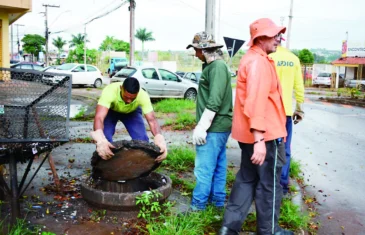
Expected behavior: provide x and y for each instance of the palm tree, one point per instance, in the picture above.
(107, 44)
(77, 40)
(144, 36)
(59, 43)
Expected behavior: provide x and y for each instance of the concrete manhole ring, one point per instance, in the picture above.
(121, 196)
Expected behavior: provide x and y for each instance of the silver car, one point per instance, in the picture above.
(159, 83)
(322, 79)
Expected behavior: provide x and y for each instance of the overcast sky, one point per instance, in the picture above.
(316, 23)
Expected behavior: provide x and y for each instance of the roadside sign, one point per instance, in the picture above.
(233, 45)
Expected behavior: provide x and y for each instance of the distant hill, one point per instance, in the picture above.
(322, 55)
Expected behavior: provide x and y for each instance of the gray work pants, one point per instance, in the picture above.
(259, 183)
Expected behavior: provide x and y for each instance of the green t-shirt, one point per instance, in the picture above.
(215, 94)
(111, 99)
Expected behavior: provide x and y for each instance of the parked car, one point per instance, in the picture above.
(81, 74)
(27, 66)
(322, 79)
(193, 76)
(181, 74)
(355, 83)
(49, 67)
(159, 83)
(25, 71)
(13, 62)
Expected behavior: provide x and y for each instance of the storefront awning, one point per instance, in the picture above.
(349, 61)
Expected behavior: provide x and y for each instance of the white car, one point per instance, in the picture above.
(81, 75)
(322, 79)
(159, 83)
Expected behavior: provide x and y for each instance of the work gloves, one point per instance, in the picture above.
(103, 146)
(298, 113)
(200, 131)
(160, 142)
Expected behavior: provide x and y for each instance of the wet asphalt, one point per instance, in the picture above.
(330, 144)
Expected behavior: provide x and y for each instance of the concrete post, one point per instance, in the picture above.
(337, 76)
(131, 32)
(210, 22)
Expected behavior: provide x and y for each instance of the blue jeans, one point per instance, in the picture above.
(284, 180)
(133, 122)
(210, 171)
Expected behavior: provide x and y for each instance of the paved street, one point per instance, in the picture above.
(330, 145)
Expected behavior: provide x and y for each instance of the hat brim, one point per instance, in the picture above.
(196, 45)
(269, 32)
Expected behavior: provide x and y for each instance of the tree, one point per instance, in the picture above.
(107, 44)
(33, 44)
(306, 57)
(59, 43)
(110, 43)
(145, 36)
(120, 45)
(77, 40)
(319, 59)
(77, 55)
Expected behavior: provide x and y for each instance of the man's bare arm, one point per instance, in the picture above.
(156, 131)
(152, 122)
(100, 115)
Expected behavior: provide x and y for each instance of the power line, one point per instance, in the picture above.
(98, 17)
(108, 12)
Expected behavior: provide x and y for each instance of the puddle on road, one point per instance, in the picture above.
(75, 109)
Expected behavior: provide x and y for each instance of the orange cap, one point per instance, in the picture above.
(264, 27)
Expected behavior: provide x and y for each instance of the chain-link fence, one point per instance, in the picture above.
(31, 110)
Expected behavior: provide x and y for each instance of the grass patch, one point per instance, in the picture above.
(179, 159)
(250, 222)
(185, 186)
(83, 116)
(174, 105)
(313, 93)
(182, 224)
(292, 189)
(234, 85)
(230, 178)
(88, 89)
(183, 121)
(295, 169)
(291, 217)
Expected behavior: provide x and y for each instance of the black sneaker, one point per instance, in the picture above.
(227, 231)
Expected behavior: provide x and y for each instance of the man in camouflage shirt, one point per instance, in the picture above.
(214, 118)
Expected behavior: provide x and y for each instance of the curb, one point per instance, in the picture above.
(83, 96)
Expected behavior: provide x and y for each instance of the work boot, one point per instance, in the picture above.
(284, 232)
(227, 231)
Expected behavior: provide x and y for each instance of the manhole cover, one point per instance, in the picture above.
(132, 159)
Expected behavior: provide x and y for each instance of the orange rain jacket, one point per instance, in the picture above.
(258, 103)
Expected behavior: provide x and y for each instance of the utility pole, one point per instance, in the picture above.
(132, 7)
(282, 18)
(218, 39)
(85, 45)
(210, 11)
(11, 46)
(17, 32)
(47, 33)
(289, 25)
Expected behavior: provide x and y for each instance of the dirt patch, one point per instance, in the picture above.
(346, 101)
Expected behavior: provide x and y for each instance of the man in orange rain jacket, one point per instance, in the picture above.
(259, 127)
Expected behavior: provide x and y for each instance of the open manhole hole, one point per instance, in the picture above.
(116, 183)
